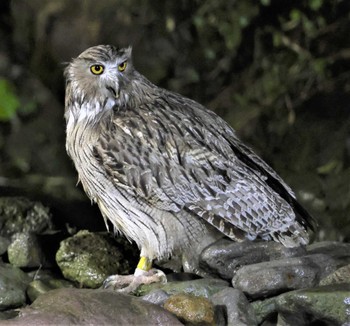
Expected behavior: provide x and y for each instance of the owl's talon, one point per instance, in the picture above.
(117, 281)
(130, 283)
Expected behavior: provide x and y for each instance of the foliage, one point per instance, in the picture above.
(9, 102)
(286, 57)
(277, 71)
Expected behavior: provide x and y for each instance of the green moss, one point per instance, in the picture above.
(89, 258)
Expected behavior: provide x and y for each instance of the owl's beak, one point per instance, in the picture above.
(115, 92)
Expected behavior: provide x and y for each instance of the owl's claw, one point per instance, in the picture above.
(129, 283)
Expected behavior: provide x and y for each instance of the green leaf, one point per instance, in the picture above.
(265, 2)
(295, 15)
(315, 4)
(331, 166)
(9, 102)
(28, 108)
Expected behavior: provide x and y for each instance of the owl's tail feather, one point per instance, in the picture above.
(304, 219)
(296, 235)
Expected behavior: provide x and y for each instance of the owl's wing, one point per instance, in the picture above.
(173, 154)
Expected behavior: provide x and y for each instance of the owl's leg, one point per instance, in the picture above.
(144, 274)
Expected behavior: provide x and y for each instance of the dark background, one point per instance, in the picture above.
(277, 71)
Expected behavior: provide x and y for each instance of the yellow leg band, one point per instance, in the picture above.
(144, 264)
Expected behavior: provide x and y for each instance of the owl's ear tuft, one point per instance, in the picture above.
(128, 52)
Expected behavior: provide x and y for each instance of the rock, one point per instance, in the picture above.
(288, 319)
(341, 275)
(225, 257)
(191, 309)
(8, 314)
(19, 215)
(92, 307)
(43, 281)
(324, 305)
(38, 287)
(271, 278)
(25, 251)
(157, 297)
(263, 309)
(89, 258)
(181, 276)
(4, 243)
(13, 284)
(237, 306)
(202, 287)
(327, 304)
(331, 248)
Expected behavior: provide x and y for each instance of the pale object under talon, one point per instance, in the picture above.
(129, 283)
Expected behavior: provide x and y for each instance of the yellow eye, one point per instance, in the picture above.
(122, 66)
(97, 69)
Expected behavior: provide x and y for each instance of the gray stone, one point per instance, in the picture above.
(271, 278)
(19, 214)
(263, 309)
(39, 287)
(237, 306)
(201, 287)
(4, 243)
(92, 307)
(25, 251)
(89, 258)
(157, 297)
(292, 319)
(341, 275)
(43, 280)
(8, 314)
(331, 248)
(328, 304)
(13, 284)
(225, 257)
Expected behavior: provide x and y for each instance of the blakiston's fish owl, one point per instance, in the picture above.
(167, 172)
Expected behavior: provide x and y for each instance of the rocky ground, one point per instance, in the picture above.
(49, 276)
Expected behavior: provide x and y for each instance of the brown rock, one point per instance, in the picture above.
(91, 307)
(191, 309)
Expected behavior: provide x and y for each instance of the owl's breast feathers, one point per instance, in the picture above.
(173, 154)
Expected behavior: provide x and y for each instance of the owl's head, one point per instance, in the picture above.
(103, 78)
(100, 71)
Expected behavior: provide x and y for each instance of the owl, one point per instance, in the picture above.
(167, 172)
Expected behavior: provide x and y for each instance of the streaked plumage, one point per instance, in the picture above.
(166, 171)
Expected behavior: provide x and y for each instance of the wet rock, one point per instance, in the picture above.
(89, 258)
(8, 314)
(25, 251)
(19, 215)
(92, 307)
(13, 284)
(291, 319)
(43, 280)
(181, 276)
(38, 287)
(326, 304)
(201, 287)
(225, 257)
(331, 248)
(263, 309)
(191, 309)
(271, 278)
(4, 243)
(237, 307)
(157, 297)
(341, 275)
